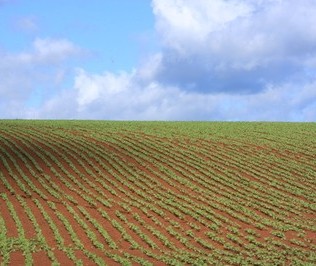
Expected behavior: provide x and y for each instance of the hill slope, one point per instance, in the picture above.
(157, 193)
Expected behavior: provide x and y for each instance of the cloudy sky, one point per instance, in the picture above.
(158, 60)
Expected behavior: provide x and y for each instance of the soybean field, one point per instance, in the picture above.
(157, 193)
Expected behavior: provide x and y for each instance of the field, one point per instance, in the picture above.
(157, 193)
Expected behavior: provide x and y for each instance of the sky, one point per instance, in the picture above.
(219, 60)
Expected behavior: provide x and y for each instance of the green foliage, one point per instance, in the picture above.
(194, 193)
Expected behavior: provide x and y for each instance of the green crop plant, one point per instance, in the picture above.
(178, 193)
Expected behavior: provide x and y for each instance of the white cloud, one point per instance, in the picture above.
(234, 60)
(149, 68)
(249, 28)
(93, 87)
(45, 51)
(50, 50)
(154, 101)
(184, 25)
(234, 46)
(220, 60)
(40, 66)
(115, 96)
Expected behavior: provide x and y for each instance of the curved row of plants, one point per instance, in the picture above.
(132, 193)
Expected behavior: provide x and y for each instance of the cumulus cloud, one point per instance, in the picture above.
(117, 96)
(186, 25)
(45, 51)
(220, 60)
(21, 74)
(122, 96)
(234, 46)
(93, 87)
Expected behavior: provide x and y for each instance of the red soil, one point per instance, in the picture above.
(41, 258)
(17, 258)
(10, 225)
(129, 192)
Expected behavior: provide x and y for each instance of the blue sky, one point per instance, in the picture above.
(158, 60)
